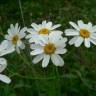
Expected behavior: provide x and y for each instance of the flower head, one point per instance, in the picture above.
(82, 33)
(15, 36)
(49, 47)
(41, 29)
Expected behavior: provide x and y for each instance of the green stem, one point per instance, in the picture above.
(58, 82)
(33, 70)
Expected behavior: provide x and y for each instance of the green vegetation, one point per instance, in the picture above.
(76, 78)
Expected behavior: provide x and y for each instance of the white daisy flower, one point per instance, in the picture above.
(41, 29)
(3, 63)
(82, 33)
(49, 47)
(15, 36)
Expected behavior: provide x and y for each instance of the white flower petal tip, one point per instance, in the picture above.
(37, 59)
(37, 51)
(79, 41)
(44, 65)
(87, 43)
(57, 60)
(74, 25)
(45, 61)
(5, 79)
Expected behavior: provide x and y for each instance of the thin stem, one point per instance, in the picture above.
(58, 81)
(20, 5)
(23, 57)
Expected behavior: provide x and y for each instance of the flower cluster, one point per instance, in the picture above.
(46, 42)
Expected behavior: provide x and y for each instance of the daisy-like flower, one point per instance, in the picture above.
(3, 63)
(15, 36)
(49, 47)
(82, 33)
(41, 29)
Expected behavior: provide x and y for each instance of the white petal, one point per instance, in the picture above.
(36, 52)
(71, 32)
(74, 25)
(38, 58)
(93, 36)
(45, 61)
(72, 41)
(22, 32)
(57, 32)
(94, 29)
(3, 45)
(9, 32)
(35, 39)
(5, 79)
(55, 26)
(54, 37)
(43, 39)
(16, 26)
(35, 26)
(10, 44)
(7, 51)
(19, 43)
(12, 28)
(35, 46)
(44, 23)
(22, 46)
(3, 64)
(31, 31)
(87, 42)
(79, 41)
(80, 23)
(49, 25)
(7, 37)
(17, 49)
(93, 41)
(57, 60)
(61, 43)
(89, 25)
(61, 51)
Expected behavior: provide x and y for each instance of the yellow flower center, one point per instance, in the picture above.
(84, 33)
(49, 48)
(15, 39)
(44, 31)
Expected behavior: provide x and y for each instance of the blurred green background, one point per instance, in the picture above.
(76, 78)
